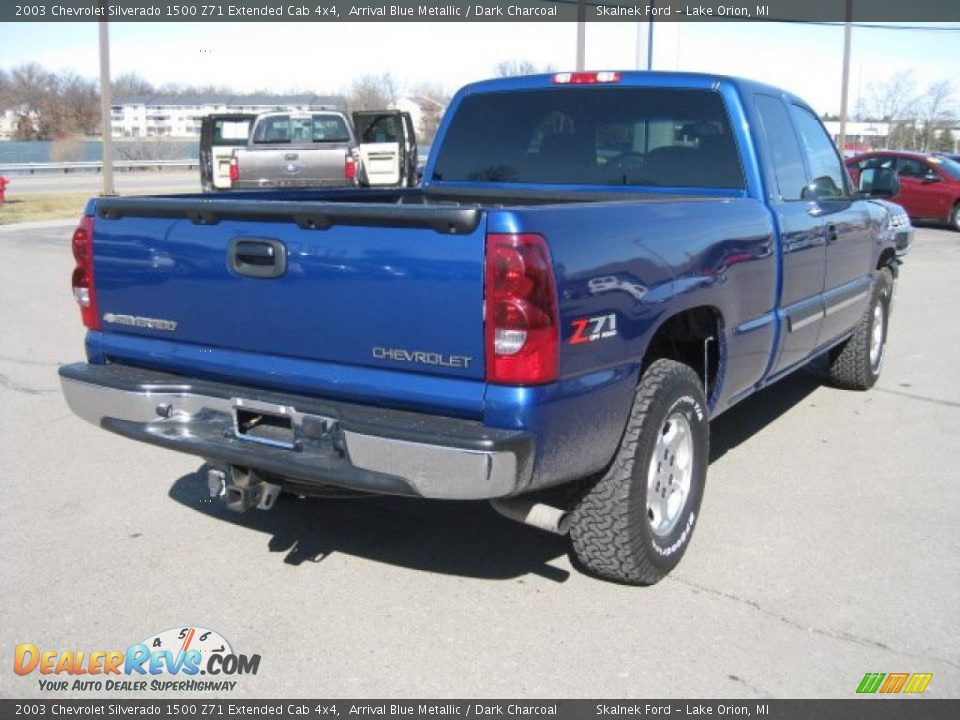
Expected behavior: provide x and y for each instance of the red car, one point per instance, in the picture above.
(929, 184)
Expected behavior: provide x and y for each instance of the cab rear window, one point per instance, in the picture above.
(301, 129)
(593, 136)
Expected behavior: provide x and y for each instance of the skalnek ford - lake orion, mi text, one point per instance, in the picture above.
(694, 11)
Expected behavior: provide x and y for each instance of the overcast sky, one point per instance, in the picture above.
(325, 57)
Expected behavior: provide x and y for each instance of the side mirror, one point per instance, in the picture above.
(931, 176)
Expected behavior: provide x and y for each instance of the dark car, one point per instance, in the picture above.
(928, 186)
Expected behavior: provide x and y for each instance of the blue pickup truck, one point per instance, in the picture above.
(595, 265)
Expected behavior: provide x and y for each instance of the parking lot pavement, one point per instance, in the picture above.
(827, 545)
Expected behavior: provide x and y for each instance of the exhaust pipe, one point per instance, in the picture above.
(241, 488)
(529, 512)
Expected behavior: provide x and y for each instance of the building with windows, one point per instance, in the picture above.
(866, 136)
(861, 136)
(179, 116)
(8, 124)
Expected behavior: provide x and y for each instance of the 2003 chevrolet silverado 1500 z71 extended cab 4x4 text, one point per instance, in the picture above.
(595, 266)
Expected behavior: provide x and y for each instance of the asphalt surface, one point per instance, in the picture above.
(126, 183)
(827, 545)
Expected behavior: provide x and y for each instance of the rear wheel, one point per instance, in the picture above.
(635, 522)
(856, 364)
(955, 217)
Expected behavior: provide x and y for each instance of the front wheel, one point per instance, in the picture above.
(955, 217)
(635, 523)
(855, 365)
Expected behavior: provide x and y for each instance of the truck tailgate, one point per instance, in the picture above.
(380, 286)
(285, 166)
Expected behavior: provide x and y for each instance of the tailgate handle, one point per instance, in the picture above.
(257, 257)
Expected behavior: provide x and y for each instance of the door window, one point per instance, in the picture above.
(825, 166)
(383, 129)
(911, 168)
(784, 148)
(231, 132)
(878, 175)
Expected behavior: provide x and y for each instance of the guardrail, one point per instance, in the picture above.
(94, 166)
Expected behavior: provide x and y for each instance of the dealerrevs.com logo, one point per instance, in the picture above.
(172, 660)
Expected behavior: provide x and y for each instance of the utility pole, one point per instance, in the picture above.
(640, 53)
(581, 35)
(645, 48)
(653, 5)
(845, 85)
(105, 101)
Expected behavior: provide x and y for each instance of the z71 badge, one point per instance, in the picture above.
(593, 328)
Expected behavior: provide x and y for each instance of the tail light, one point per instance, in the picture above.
(84, 288)
(349, 167)
(586, 78)
(520, 307)
(234, 169)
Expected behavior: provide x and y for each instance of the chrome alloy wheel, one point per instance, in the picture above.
(669, 475)
(876, 336)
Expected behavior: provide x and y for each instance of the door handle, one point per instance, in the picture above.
(257, 257)
(832, 234)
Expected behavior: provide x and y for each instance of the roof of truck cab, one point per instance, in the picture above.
(316, 111)
(636, 78)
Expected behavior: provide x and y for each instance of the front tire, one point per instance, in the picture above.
(856, 364)
(635, 523)
(955, 217)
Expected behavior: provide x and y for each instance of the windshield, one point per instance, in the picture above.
(593, 136)
(301, 129)
(951, 167)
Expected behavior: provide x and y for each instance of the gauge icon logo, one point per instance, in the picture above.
(182, 640)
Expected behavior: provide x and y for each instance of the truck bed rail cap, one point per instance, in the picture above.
(308, 215)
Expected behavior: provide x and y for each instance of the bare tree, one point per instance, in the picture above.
(77, 104)
(4, 91)
(66, 149)
(934, 114)
(31, 88)
(372, 92)
(918, 119)
(131, 84)
(945, 141)
(173, 89)
(51, 105)
(890, 101)
(432, 99)
(512, 68)
(151, 149)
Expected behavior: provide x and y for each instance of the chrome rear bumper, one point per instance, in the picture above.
(369, 449)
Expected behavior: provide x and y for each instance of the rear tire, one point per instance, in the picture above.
(955, 217)
(634, 524)
(856, 364)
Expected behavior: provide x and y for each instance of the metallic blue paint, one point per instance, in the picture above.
(351, 288)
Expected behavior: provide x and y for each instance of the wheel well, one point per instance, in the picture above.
(885, 257)
(682, 338)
